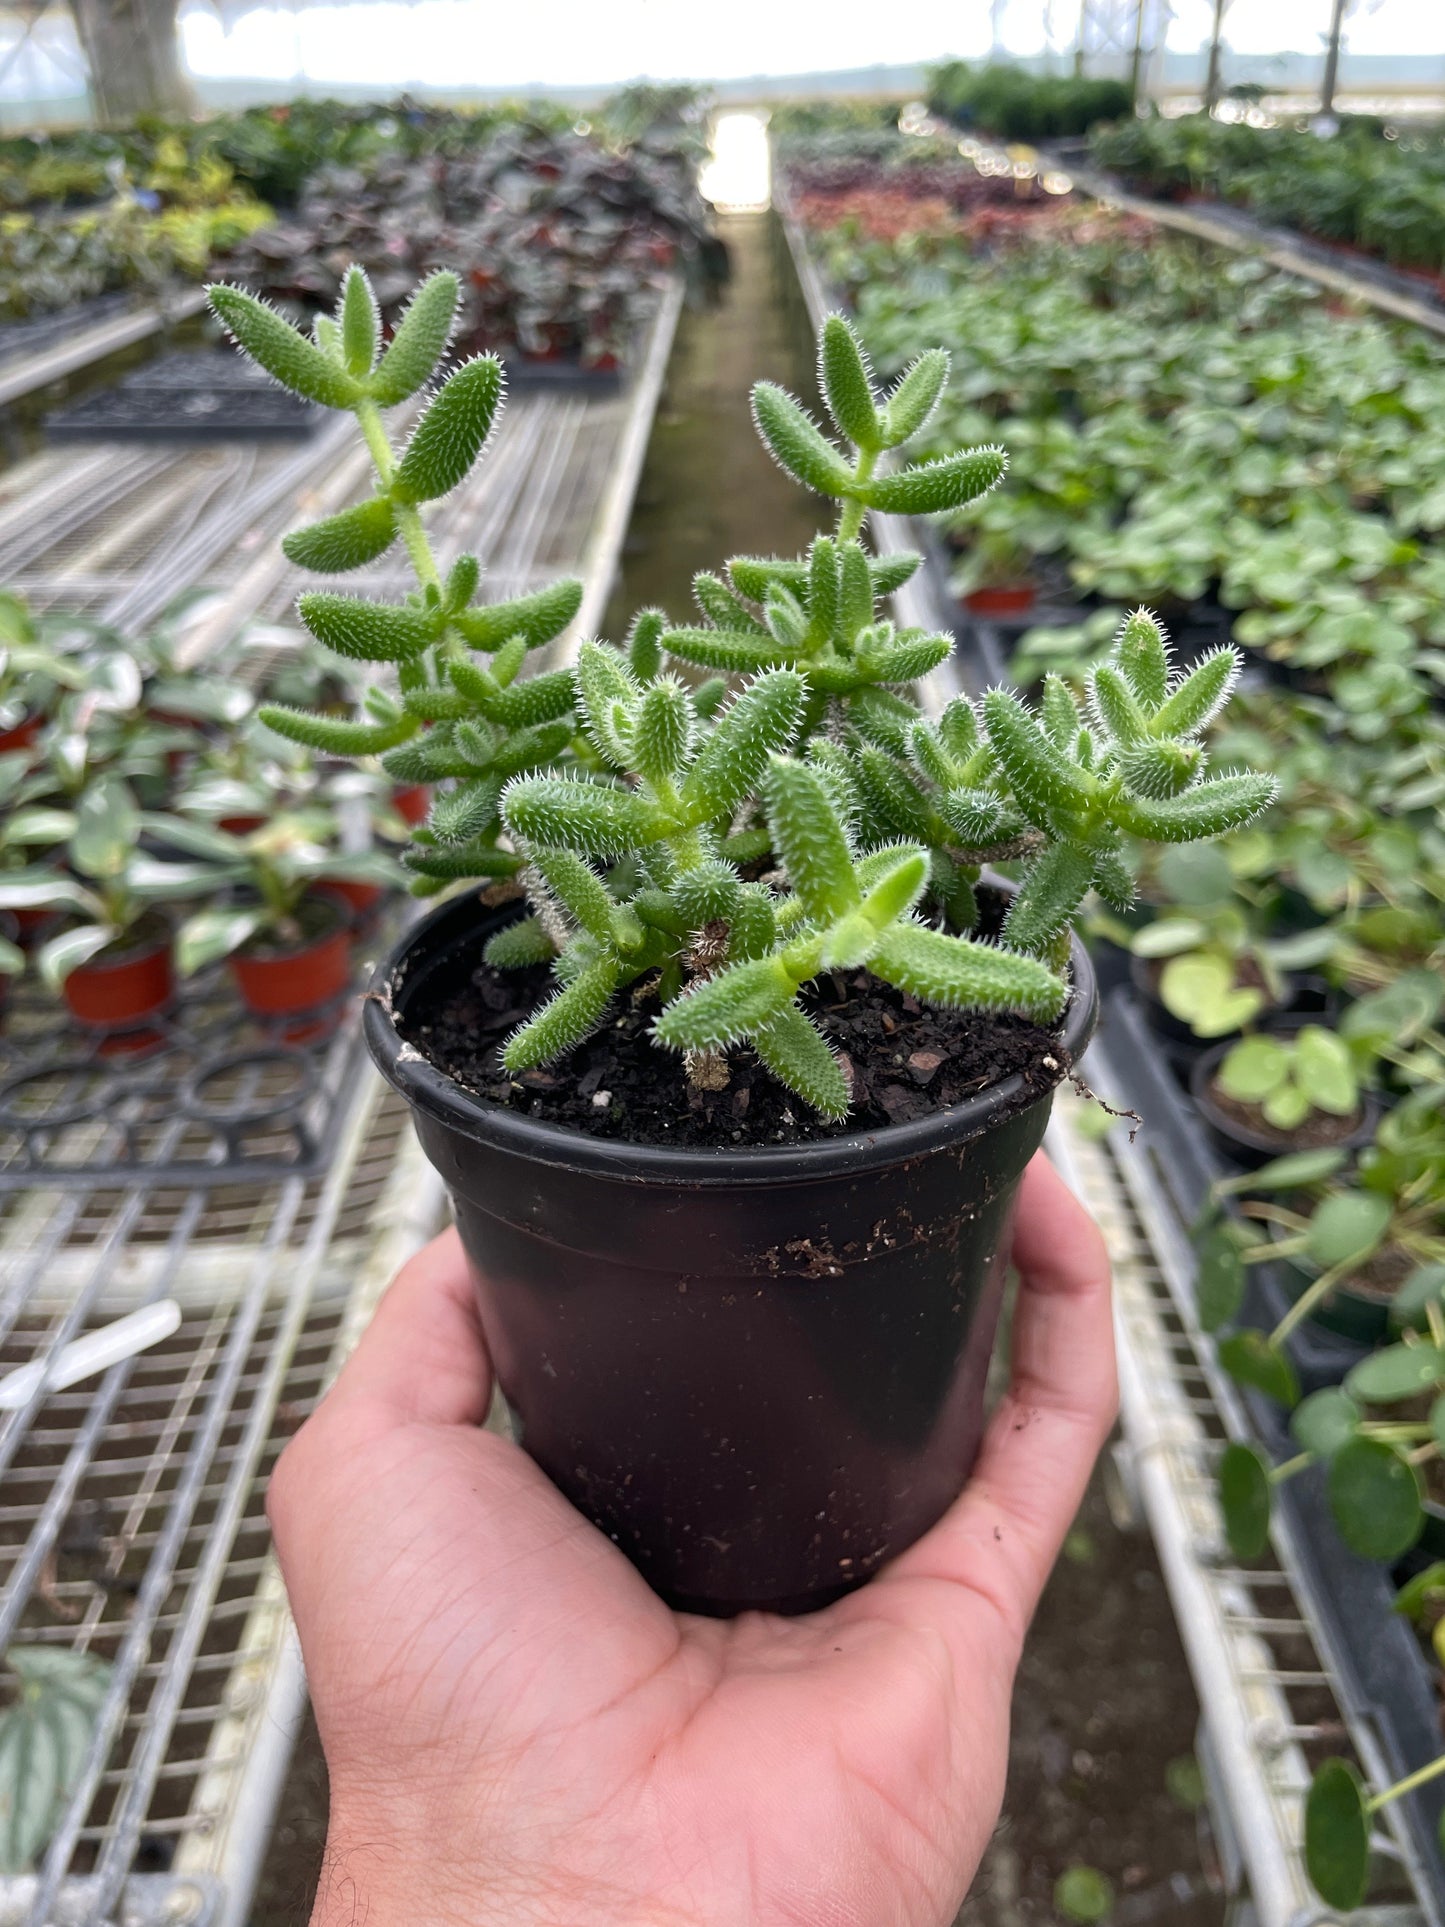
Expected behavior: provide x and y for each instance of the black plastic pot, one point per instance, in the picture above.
(1182, 1047)
(761, 1372)
(1248, 1146)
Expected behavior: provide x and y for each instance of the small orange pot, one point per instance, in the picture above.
(22, 736)
(293, 983)
(1000, 601)
(116, 992)
(413, 802)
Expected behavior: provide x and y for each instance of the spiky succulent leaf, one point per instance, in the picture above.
(764, 717)
(933, 486)
(459, 815)
(608, 697)
(1116, 707)
(461, 583)
(1045, 783)
(540, 699)
(566, 812)
(360, 322)
(450, 435)
(977, 815)
(847, 389)
(644, 643)
(963, 975)
(722, 1010)
(345, 541)
(539, 617)
(1059, 713)
(797, 442)
(798, 1056)
(823, 585)
(298, 364)
(722, 607)
(958, 729)
(1161, 769)
(730, 650)
(1218, 804)
(897, 878)
(334, 738)
(711, 893)
(785, 622)
(930, 758)
(890, 572)
(1142, 652)
(365, 631)
(893, 795)
(662, 730)
(908, 659)
(450, 866)
(754, 575)
(1194, 702)
(753, 929)
(855, 590)
(420, 340)
(562, 1023)
(518, 945)
(914, 396)
(810, 841)
(579, 889)
(1052, 890)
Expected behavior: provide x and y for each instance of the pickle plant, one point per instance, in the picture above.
(793, 814)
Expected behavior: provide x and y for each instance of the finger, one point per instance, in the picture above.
(423, 1355)
(1001, 1538)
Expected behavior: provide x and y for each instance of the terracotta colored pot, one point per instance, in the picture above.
(22, 736)
(360, 898)
(116, 991)
(290, 983)
(413, 802)
(239, 825)
(1000, 602)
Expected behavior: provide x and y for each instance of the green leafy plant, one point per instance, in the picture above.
(45, 1734)
(629, 800)
(1289, 1077)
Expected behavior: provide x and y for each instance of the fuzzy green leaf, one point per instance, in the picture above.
(345, 541)
(298, 364)
(453, 865)
(914, 396)
(855, 590)
(568, 813)
(797, 442)
(890, 572)
(364, 631)
(1163, 769)
(335, 738)
(644, 643)
(893, 795)
(711, 893)
(461, 583)
(1044, 782)
(461, 814)
(823, 585)
(450, 435)
(797, 1055)
(722, 1010)
(1059, 713)
(1218, 804)
(935, 486)
(539, 617)
(754, 575)
(1116, 706)
(663, 731)
(762, 718)
(721, 607)
(419, 342)
(730, 650)
(1142, 653)
(579, 889)
(847, 389)
(964, 975)
(360, 322)
(1052, 891)
(518, 945)
(907, 660)
(1198, 699)
(607, 698)
(897, 878)
(540, 699)
(809, 840)
(561, 1024)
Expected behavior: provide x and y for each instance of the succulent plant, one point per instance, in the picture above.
(637, 806)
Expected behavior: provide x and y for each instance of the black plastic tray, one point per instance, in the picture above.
(1386, 1677)
(547, 377)
(126, 414)
(45, 330)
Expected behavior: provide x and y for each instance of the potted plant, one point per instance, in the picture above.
(111, 959)
(742, 1329)
(288, 940)
(1280, 1090)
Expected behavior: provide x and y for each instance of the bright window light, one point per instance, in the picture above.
(738, 175)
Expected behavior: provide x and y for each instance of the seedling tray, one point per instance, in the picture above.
(43, 331)
(1353, 1597)
(547, 377)
(206, 395)
(205, 1094)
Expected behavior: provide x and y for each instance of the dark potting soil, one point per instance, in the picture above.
(906, 1060)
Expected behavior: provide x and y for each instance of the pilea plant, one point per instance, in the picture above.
(637, 808)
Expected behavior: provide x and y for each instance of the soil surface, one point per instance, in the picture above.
(904, 1060)
(1319, 1130)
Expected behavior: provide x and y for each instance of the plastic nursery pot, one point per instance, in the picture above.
(759, 1371)
(360, 899)
(126, 982)
(21, 736)
(1001, 601)
(278, 981)
(412, 802)
(1353, 1309)
(1237, 1135)
(1183, 1046)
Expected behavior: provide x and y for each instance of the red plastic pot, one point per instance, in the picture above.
(22, 736)
(1000, 602)
(413, 802)
(239, 825)
(124, 984)
(276, 982)
(360, 898)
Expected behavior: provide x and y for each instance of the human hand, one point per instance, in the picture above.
(518, 1730)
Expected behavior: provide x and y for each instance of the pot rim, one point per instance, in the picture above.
(1201, 1083)
(439, 1096)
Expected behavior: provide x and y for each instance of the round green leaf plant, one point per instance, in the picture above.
(639, 808)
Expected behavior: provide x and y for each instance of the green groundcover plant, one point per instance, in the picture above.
(796, 812)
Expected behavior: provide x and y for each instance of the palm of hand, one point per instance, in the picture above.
(515, 1719)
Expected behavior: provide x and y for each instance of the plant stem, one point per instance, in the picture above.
(408, 521)
(1407, 1785)
(850, 521)
(1315, 1295)
(1279, 1473)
